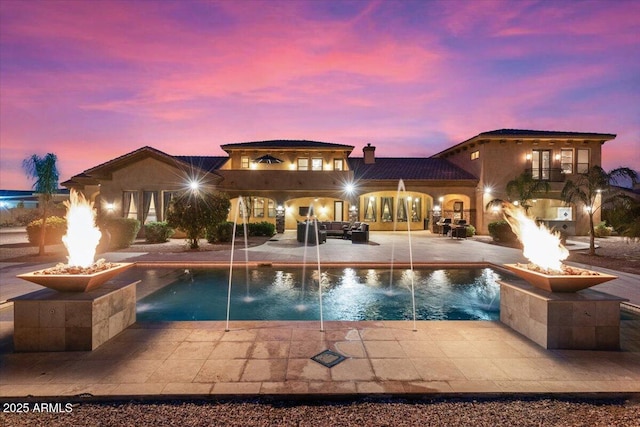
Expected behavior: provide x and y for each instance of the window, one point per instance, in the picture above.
(475, 155)
(370, 210)
(387, 209)
(130, 204)
(149, 200)
(416, 211)
(540, 164)
(316, 164)
(258, 207)
(402, 209)
(303, 164)
(337, 164)
(583, 160)
(566, 161)
(244, 162)
(272, 209)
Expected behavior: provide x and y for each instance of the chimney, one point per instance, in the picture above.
(369, 154)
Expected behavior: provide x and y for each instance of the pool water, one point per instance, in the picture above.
(348, 294)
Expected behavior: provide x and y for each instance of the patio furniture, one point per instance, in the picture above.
(311, 236)
(334, 228)
(361, 234)
(445, 226)
(460, 230)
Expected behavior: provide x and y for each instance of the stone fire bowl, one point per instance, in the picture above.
(75, 282)
(559, 283)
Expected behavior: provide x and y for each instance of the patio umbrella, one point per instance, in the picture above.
(267, 158)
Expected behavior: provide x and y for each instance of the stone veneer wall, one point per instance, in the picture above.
(47, 320)
(585, 320)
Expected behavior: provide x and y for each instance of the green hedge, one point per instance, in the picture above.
(122, 231)
(56, 227)
(220, 233)
(263, 228)
(501, 232)
(157, 232)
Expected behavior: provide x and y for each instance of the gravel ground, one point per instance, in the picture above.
(361, 412)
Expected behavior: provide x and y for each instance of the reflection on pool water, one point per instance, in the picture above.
(348, 294)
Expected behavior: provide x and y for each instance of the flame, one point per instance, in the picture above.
(541, 246)
(82, 236)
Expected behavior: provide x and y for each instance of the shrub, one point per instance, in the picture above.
(157, 232)
(56, 227)
(501, 232)
(220, 233)
(263, 228)
(471, 230)
(123, 231)
(195, 212)
(601, 230)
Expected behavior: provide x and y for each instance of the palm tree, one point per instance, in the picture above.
(45, 172)
(524, 189)
(586, 188)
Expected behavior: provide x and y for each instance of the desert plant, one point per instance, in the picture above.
(601, 230)
(122, 231)
(157, 232)
(55, 227)
(524, 189)
(46, 174)
(593, 189)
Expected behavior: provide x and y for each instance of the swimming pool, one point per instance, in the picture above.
(264, 293)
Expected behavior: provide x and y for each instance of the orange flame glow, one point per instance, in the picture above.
(82, 236)
(541, 246)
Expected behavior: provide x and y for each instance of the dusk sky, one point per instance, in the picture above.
(93, 80)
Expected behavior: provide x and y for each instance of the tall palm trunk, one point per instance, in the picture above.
(44, 227)
(592, 235)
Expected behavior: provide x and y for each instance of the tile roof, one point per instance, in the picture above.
(286, 143)
(408, 168)
(207, 163)
(543, 133)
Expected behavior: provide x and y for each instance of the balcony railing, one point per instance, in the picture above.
(547, 174)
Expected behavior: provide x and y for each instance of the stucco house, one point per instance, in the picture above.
(284, 181)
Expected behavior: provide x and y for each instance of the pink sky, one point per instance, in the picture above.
(90, 81)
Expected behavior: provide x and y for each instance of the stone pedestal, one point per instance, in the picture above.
(585, 320)
(48, 320)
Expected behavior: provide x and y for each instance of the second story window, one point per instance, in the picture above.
(244, 162)
(316, 164)
(540, 164)
(303, 164)
(566, 161)
(475, 155)
(337, 164)
(582, 165)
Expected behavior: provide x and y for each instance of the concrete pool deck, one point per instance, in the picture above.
(272, 358)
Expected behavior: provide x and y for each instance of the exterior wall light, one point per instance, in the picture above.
(194, 185)
(487, 190)
(349, 188)
(528, 156)
(110, 207)
(292, 166)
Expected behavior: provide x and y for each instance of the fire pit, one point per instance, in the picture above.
(80, 274)
(570, 279)
(63, 278)
(545, 253)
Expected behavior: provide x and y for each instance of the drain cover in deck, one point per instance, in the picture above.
(328, 358)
